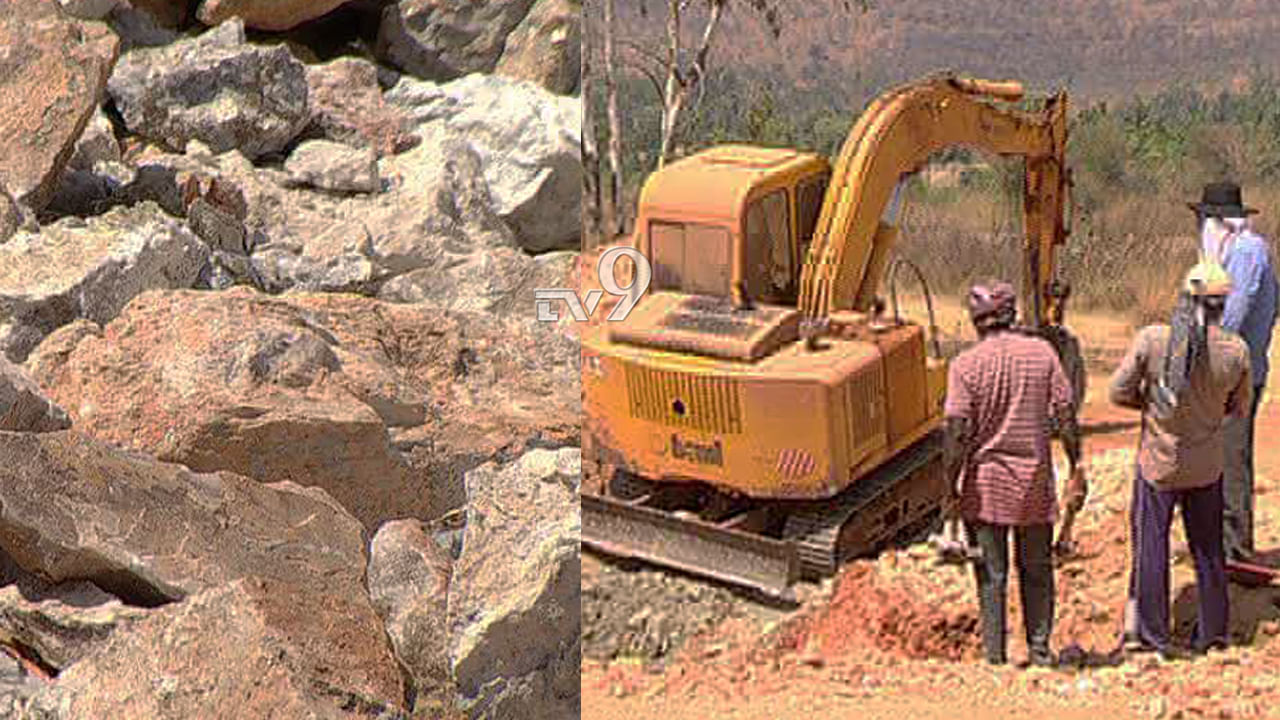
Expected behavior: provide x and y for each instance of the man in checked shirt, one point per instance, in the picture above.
(1006, 396)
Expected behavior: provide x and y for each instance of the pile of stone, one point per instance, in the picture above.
(278, 429)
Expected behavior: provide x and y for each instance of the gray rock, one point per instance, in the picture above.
(215, 88)
(52, 73)
(10, 215)
(91, 191)
(546, 48)
(89, 269)
(514, 612)
(409, 583)
(328, 165)
(138, 28)
(445, 39)
(90, 9)
(17, 686)
(501, 281)
(96, 144)
(23, 407)
(528, 143)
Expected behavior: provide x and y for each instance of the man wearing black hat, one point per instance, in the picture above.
(1251, 313)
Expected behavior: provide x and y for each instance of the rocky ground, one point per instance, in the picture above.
(897, 636)
(278, 430)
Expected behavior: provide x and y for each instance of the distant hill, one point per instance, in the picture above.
(1096, 48)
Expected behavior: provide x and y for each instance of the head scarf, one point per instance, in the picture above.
(1218, 234)
(992, 305)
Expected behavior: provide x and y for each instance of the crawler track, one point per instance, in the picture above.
(767, 547)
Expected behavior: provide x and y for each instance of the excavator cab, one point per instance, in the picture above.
(733, 221)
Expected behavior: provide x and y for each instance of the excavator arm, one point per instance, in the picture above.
(897, 135)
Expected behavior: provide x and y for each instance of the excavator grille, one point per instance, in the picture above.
(864, 394)
(706, 404)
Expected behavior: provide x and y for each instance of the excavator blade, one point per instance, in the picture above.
(622, 529)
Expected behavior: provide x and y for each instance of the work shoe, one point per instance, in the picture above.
(1205, 649)
(1131, 644)
(1042, 659)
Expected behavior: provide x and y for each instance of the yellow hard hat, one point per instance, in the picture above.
(1208, 279)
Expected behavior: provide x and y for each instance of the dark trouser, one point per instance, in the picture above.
(1237, 537)
(1152, 514)
(1035, 579)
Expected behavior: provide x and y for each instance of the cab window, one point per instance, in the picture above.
(770, 270)
(690, 257)
(809, 195)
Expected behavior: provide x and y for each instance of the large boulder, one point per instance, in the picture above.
(546, 48)
(253, 648)
(215, 88)
(52, 73)
(73, 508)
(528, 142)
(409, 584)
(500, 281)
(514, 612)
(89, 269)
(347, 106)
(23, 407)
(265, 14)
(445, 39)
(303, 387)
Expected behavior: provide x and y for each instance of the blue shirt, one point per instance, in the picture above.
(1251, 306)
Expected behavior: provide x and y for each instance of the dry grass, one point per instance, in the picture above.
(1129, 257)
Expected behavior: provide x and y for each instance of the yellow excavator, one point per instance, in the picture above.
(761, 414)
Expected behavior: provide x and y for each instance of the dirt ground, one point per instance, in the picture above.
(897, 636)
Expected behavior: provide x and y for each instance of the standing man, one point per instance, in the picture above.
(1250, 313)
(1003, 397)
(1187, 378)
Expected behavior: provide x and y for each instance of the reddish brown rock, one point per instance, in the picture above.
(53, 72)
(303, 388)
(252, 649)
(347, 105)
(74, 508)
(265, 14)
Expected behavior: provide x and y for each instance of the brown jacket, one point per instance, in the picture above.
(1183, 449)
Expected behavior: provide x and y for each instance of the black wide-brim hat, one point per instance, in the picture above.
(1221, 199)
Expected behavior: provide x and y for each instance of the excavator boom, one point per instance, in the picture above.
(895, 136)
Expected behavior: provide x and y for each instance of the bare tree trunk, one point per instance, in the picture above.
(679, 86)
(617, 213)
(592, 220)
(671, 93)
